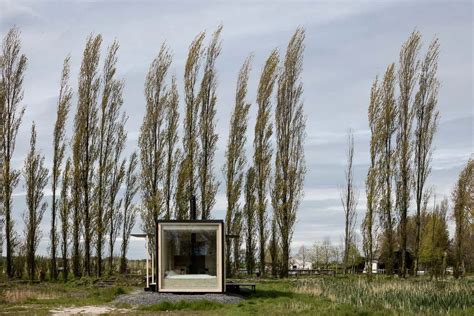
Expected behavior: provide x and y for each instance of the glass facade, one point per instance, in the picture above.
(190, 257)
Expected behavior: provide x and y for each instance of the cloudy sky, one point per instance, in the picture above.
(347, 44)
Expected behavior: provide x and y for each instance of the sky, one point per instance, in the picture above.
(347, 44)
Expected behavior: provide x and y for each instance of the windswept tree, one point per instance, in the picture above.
(235, 163)
(114, 215)
(76, 203)
(36, 179)
(207, 127)
(111, 138)
(12, 67)
(65, 216)
(250, 217)
(407, 75)
(186, 188)
(290, 124)
(129, 209)
(371, 185)
(463, 201)
(85, 142)
(111, 167)
(172, 152)
(152, 138)
(263, 149)
(386, 127)
(426, 122)
(59, 146)
(182, 190)
(349, 202)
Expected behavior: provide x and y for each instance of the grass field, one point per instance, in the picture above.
(319, 295)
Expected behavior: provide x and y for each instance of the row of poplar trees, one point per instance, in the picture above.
(88, 170)
(173, 175)
(403, 119)
(94, 185)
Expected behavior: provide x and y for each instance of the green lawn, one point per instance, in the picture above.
(308, 296)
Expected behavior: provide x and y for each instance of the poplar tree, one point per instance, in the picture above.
(263, 149)
(114, 215)
(65, 216)
(111, 166)
(235, 161)
(85, 142)
(172, 152)
(187, 171)
(371, 185)
(407, 75)
(207, 127)
(290, 133)
(152, 139)
(349, 202)
(386, 127)
(250, 216)
(59, 146)
(76, 203)
(426, 123)
(274, 247)
(110, 124)
(12, 66)
(182, 190)
(129, 209)
(36, 179)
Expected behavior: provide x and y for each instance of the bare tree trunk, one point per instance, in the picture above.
(64, 215)
(349, 202)
(250, 217)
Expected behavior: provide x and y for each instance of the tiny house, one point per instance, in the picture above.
(190, 256)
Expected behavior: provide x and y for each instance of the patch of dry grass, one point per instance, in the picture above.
(20, 295)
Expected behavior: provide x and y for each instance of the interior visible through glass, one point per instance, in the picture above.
(189, 258)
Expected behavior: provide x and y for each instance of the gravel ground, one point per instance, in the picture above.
(141, 297)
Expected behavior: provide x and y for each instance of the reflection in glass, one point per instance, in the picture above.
(189, 257)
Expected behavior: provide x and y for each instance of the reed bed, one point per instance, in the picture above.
(411, 295)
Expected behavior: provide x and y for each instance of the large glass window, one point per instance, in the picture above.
(190, 257)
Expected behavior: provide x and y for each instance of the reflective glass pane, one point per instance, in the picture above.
(189, 258)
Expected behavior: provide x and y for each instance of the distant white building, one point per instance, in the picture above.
(298, 264)
(1, 232)
(374, 266)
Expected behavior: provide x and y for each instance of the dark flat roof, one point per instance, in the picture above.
(141, 235)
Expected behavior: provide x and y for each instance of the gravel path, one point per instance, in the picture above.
(141, 297)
